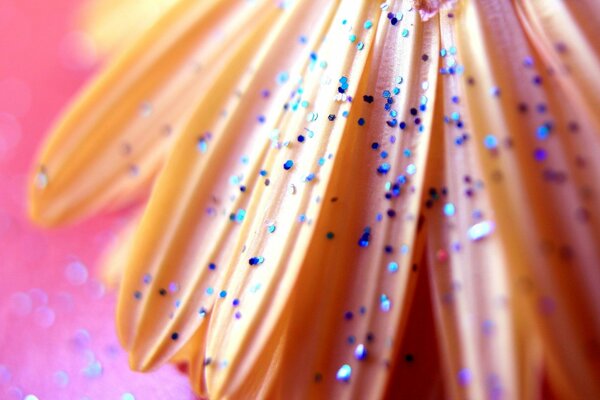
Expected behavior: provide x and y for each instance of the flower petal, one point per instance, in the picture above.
(106, 150)
(187, 235)
(113, 24)
(314, 268)
(528, 143)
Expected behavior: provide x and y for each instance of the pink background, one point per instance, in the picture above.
(57, 334)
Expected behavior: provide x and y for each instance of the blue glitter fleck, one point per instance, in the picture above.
(539, 154)
(256, 260)
(480, 230)
(240, 215)
(365, 237)
(282, 77)
(360, 352)
(344, 373)
(384, 168)
(543, 131)
(384, 303)
(288, 164)
(202, 145)
(490, 142)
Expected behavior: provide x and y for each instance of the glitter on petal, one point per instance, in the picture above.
(344, 373)
(318, 173)
(480, 230)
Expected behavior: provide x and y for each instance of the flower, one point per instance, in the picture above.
(310, 162)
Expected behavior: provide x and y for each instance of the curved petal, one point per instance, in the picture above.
(187, 234)
(518, 191)
(314, 268)
(105, 152)
(326, 149)
(113, 24)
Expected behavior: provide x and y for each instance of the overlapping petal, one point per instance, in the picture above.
(326, 157)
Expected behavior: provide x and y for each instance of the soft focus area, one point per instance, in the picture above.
(57, 334)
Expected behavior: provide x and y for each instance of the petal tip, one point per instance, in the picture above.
(140, 362)
(38, 212)
(44, 208)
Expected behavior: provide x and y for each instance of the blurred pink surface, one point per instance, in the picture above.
(57, 333)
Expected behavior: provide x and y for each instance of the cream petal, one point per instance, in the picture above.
(187, 225)
(113, 24)
(105, 152)
(316, 278)
(567, 42)
(528, 168)
(246, 264)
